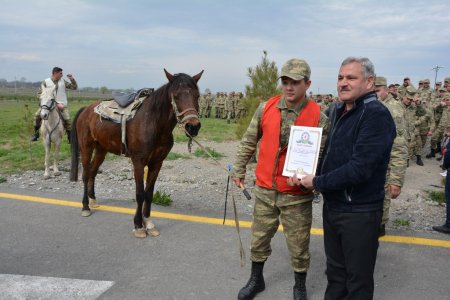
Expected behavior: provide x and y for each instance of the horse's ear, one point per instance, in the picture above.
(168, 75)
(198, 76)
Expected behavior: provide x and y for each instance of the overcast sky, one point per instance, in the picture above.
(126, 44)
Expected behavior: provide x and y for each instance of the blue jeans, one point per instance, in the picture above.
(447, 198)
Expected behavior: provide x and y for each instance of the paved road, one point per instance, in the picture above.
(83, 258)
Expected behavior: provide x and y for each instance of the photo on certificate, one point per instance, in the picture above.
(303, 151)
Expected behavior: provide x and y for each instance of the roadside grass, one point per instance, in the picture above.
(401, 222)
(18, 154)
(162, 199)
(202, 153)
(437, 196)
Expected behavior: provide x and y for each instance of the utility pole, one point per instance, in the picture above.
(436, 70)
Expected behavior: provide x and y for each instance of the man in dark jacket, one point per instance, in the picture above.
(351, 178)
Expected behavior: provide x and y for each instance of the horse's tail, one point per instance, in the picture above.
(75, 149)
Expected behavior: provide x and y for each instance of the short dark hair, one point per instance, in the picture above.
(56, 70)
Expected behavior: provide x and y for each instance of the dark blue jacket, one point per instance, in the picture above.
(446, 163)
(352, 173)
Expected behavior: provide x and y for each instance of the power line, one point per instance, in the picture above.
(436, 69)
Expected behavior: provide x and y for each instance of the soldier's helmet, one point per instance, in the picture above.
(296, 69)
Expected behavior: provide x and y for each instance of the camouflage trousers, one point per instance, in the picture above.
(420, 141)
(296, 220)
(436, 138)
(386, 205)
(64, 113)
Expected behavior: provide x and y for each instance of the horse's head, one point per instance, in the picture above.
(47, 102)
(184, 93)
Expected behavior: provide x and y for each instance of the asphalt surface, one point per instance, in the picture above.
(57, 248)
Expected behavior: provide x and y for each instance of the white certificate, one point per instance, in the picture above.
(303, 151)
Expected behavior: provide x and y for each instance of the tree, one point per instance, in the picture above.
(103, 89)
(263, 78)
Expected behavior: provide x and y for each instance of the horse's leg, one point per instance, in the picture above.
(153, 171)
(138, 165)
(86, 156)
(99, 157)
(56, 171)
(47, 146)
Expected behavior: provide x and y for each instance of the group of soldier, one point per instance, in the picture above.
(425, 109)
(226, 106)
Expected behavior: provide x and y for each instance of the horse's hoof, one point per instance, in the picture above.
(57, 173)
(93, 203)
(150, 227)
(86, 213)
(153, 232)
(140, 233)
(46, 176)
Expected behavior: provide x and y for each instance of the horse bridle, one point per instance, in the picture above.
(51, 107)
(187, 114)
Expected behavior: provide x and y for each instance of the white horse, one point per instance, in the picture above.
(52, 129)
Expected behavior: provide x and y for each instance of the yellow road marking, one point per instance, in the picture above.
(215, 221)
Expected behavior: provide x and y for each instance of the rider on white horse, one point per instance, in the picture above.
(57, 83)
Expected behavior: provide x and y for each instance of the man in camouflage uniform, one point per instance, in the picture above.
(410, 113)
(208, 103)
(216, 105)
(422, 127)
(60, 85)
(435, 133)
(239, 106)
(401, 90)
(202, 105)
(272, 205)
(395, 176)
(229, 107)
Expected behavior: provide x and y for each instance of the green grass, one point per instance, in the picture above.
(202, 153)
(437, 196)
(162, 199)
(2, 179)
(401, 222)
(175, 156)
(16, 127)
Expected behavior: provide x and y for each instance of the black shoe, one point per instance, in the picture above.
(431, 154)
(382, 230)
(255, 284)
(419, 160)
(407, 163)
(443, 229)
(300, 286)
(35, 136)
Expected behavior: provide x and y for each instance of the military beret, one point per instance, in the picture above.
(296, 69)
(380, 81)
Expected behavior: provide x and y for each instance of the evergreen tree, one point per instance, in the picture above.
(263, 78)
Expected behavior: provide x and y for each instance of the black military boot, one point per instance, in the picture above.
(300, 286)
(431, 154)
(255, 284)
(35, 136)
(68, 135)
(419, 160)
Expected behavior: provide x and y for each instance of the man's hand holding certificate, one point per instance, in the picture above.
(302, 154)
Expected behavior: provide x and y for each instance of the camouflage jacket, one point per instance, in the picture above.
(249, 142)
(423, 120)
(410, 114)
(445, 119)
(399, 153)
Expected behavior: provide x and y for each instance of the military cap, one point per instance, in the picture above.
(446, 96)
(410, 91)
(442, 90)
(296, 69)
(380, 81)
(447, 79)
(420, 81)
(426, 80)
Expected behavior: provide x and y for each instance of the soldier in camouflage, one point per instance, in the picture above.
(422, 127)
(401, 90)
(293, 208)
(435, 133)
(60, 85)
(410, 112)
(202, 105)
(208, 103)
(395, 176)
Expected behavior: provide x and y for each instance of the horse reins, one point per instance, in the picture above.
(52, 107)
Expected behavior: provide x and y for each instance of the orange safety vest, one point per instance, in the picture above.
(271, 158)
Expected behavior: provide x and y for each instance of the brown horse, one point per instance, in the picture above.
(149, 140)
